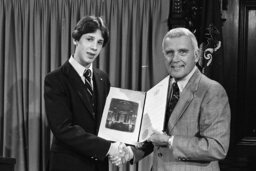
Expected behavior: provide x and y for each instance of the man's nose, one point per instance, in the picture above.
(94, 45)
(175, 56)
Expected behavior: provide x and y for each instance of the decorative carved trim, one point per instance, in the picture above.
(189, 14)
(183, 13)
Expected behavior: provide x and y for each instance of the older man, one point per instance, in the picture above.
(197, 128)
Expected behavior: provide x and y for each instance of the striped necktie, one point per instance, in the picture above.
(172, 102)
(87, 74)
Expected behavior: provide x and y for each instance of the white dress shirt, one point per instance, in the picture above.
(80, 69)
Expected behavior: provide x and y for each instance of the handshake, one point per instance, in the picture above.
(119, 153)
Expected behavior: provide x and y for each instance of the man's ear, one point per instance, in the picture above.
(197, 56)
(74, 42)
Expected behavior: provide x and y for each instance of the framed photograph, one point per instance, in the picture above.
(129, 116)
(122, 115)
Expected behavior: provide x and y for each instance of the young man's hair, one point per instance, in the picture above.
(90, 24)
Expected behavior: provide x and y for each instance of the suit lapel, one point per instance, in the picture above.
(78, 85)
(99, 86)
(186, 97)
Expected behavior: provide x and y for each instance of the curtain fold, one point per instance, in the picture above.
(2, 12)
(35, 38)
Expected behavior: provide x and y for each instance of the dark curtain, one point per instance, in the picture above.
(35, 38)
(209, 35)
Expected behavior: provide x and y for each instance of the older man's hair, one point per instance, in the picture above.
(178, 32)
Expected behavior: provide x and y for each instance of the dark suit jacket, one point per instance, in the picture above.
(74, 122)
(200, 123)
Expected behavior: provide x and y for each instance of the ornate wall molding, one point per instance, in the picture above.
(203, 18)
(184, 13)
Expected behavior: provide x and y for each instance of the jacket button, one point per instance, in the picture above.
(160, 154)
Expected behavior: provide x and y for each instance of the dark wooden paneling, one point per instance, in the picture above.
(239, 37)
(7, 164)
(230, 45)
(246, 68)
(250, 73)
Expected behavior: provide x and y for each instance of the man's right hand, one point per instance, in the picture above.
(124, 154)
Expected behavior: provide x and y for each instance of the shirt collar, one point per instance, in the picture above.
(182, 83)
(78, 67)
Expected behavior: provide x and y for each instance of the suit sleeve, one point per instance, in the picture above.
(59, 117)
(143, 151)
(212, 141)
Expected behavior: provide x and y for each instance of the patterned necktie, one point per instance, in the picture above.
(172, 102)
(87, 74)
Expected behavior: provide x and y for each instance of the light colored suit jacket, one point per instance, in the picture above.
(200, 124)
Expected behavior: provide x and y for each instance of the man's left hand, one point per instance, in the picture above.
(159, 138)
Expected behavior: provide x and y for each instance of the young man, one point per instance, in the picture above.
(75, 95)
